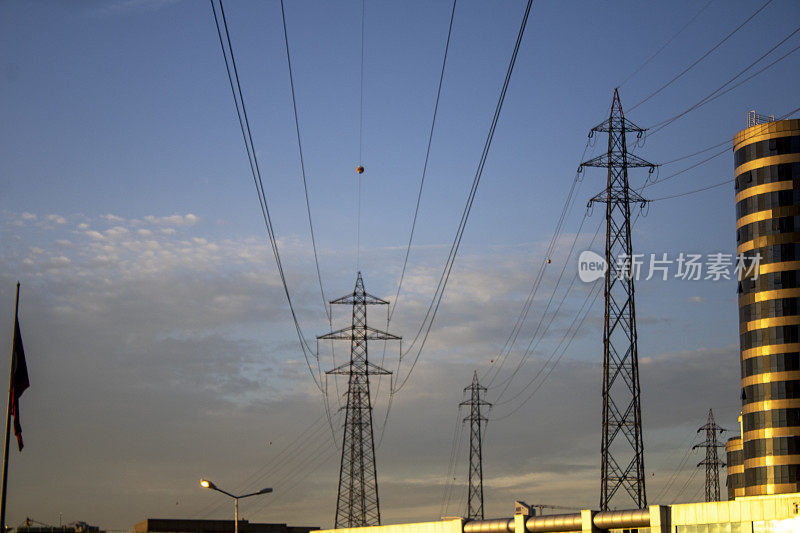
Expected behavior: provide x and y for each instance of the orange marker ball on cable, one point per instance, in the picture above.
(360, 169)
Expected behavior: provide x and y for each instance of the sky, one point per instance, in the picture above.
(158, 338)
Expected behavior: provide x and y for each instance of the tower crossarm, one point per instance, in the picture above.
(614, 196)
(351, 299)
(617, 123)
(370, 368)
(355, 333)
(615, 158)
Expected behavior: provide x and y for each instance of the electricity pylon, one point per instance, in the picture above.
(357, 503)
(622, 449)
(475, 475)
(712, 461)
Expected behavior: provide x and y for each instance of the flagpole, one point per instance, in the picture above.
(8, 427)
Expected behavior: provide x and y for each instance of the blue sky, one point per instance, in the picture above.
(159, 341)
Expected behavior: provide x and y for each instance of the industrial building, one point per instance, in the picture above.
(765, 459)
(181, 525)
(753, 514)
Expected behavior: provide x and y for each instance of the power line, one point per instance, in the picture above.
(292, 451)
(360, 135)
(566, 341)
(720, 184)
(690, 67)
(302, 163)
(665, 489)
(716, 93)
(502, 357)
(308, 211)
(725, 142)
(427, 156)
(433, 307)
(640, 67)
(509, 379)
(505, 351)
(252, 158)
(531, 346)
(714, 156)
(390, 312)
(451, 462)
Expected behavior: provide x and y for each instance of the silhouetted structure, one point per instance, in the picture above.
(622, 450)
(712, 461)
(182, 525)
(357, 503)
(476, 420)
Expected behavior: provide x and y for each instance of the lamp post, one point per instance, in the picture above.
(205, 483)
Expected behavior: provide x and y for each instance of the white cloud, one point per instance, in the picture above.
(696, 299)
(113, 218)
(57, 219)
(116, 232)
(187, 220)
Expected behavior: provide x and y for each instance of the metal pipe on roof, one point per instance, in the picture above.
(563, 523)
(622, 519)
(497, 525)
(554, 523)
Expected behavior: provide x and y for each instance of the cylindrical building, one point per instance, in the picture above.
(767, 161)
(735, 467)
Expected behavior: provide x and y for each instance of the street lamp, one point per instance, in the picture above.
(208, 484)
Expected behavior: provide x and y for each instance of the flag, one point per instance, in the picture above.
(19, 379)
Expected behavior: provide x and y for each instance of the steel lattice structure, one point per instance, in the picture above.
(622, 450)
(712, 461)
(357, 503)
(475, 475)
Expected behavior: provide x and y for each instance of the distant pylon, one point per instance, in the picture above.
(622, 449)
(357, 502)
(712, 461)
(475, 419)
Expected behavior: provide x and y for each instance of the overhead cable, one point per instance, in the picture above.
(427, 156)
(690, 67)
(433, 307)
(302, 164)
(247, 137)
(655, 128)
(640, 67)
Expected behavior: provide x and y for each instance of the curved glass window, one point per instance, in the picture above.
(770, 282)
(764, 228)
(769, 200)
(778, 253)
(776, 418)
(735, 457)
(780, 362)
(773, 335)
(773, 446)
(776, 390)
(756, 150)
(771, 474)
(767, 174)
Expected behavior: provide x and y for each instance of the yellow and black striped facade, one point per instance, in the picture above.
(735, 463)
(767, 176)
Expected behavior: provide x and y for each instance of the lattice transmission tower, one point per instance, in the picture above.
(712, 461)
(476, 421)
(622, 450)
(357, 502)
